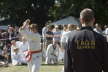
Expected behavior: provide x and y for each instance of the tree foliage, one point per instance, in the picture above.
(73, 7)
(40, 11)
(19, 10)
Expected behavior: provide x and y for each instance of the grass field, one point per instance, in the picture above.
(44, 68)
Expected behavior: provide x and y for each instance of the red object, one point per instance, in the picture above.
(29, 54)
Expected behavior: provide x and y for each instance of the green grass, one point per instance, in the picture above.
(44, 68)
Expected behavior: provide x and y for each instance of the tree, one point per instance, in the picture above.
(40, 11)
(73, 7)
(19, 10)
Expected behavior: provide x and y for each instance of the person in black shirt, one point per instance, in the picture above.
(49, 35)
(86, 50)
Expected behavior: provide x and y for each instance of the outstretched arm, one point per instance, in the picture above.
(24, 29)
(25, 24)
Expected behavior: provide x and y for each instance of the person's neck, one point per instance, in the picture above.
(87, 25)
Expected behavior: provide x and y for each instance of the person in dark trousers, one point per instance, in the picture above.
(86, 50)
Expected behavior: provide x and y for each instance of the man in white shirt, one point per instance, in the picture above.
(34, 47)
(70, 28)
(98, 29)
(106, 33)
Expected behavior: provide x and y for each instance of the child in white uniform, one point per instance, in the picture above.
(15, 55)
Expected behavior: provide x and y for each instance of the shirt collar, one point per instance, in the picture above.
(87, 27)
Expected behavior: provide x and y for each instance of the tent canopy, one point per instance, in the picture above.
(67, 20)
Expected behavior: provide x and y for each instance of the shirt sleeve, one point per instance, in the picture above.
(24, 32)
(105, 64)
(29, 35)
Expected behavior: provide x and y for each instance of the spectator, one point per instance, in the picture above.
(106, 30)
(52, 53)
(98, 29)
(57, 34)
(49, 35)
(15, 55)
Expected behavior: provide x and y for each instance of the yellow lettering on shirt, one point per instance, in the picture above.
(85, 44)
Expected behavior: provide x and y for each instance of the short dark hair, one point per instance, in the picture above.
(87, 15)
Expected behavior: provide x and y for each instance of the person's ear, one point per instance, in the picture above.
(93, 20)
(81, 21)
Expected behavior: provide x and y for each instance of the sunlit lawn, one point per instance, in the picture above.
(44, 68)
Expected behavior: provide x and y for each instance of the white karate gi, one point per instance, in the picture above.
(52, 54)
(16, 58)
(34, 40)
(64, 39)
(23, 48)
(106, 31)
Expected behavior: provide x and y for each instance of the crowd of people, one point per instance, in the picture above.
(6, 36)
(24, 45)
(58, 35)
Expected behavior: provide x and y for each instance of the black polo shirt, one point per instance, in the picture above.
(86, 51)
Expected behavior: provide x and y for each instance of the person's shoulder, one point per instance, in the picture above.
(50, 45)
(106, 29)
(70, 33)
(81, 33)
(99, 36)
(65, 33)
(44, 28)
(94, 29)
(73, 34)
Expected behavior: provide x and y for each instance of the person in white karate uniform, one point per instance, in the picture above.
(15, 55)
(34, 47)
(23, 48)
(52, 53)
